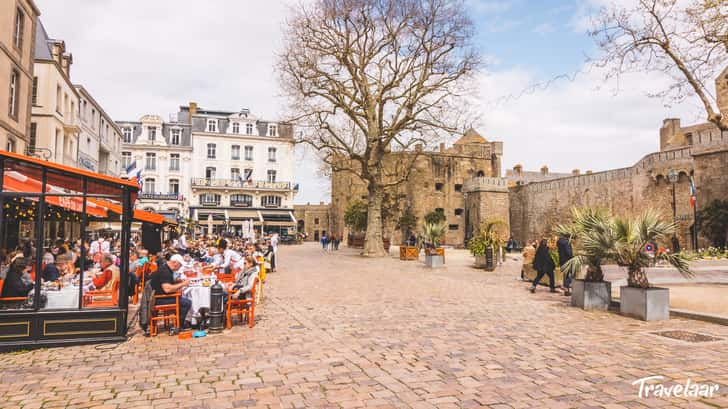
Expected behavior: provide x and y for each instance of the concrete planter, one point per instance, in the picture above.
(648, 304)
(480, 261)
(590, 295)
(434, 261)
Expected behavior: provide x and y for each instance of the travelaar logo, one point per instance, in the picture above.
(688, 390)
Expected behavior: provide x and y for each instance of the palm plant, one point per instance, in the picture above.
(490, 235)
(590, 230)
(434, 232)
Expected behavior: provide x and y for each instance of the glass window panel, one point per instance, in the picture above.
(17, 251)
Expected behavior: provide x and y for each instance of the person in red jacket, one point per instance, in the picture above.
(108, 275)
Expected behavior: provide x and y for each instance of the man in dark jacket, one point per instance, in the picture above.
(544, 265)
(565, 254)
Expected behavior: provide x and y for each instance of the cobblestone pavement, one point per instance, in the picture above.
(340, 331)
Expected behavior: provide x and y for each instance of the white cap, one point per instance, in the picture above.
(177, 258)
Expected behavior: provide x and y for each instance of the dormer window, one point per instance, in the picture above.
(272, 130)
(175, 136)
(152, 133)
(126, 132)
(236, 127)
(248, 129)
(212, 125)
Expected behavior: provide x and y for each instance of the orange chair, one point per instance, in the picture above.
(165, 313)
(228, 278)
(239, 307)
(139, 288)
(9, 299)
(102, 298)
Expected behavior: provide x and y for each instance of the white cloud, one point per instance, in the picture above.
(581, 124)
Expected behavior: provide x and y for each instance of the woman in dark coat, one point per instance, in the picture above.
(14, 286)
(543, 264)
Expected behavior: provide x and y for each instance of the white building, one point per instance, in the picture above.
(99, 143)
(163, 150)
(242, 170)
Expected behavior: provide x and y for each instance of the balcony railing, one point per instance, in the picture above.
(240, 184)
(160, 196)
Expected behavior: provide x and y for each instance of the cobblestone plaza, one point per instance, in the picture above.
(339, 331)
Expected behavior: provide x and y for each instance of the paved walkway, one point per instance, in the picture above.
(341, 331)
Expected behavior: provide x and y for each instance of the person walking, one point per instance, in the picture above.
(324, 241)
(544, 264)
(566, 253)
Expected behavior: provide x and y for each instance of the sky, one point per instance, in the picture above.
(536, 93)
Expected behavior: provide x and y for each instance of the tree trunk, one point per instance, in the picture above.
(637, 279)
(373, 243)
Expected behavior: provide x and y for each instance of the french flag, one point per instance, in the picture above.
(134, 172)
(693, 198)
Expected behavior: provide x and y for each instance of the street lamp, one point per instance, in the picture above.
(673, 177)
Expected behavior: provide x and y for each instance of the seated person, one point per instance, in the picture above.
(109, 273)
(244, 281)
(14, 285)
(52, 271)
(163, 283)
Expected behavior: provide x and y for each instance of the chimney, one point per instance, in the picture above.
(442, 147)
(575, 172)
(193, 109)
(588, 172)
(418, 147)
(518, 170)
(321, 203)
(544, 170)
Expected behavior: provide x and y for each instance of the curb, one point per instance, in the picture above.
(693, 315)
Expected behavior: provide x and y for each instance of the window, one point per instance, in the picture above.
(235, 174)
(453, 227)
(127, 135)
(211, 149)
(316, 221)
(248, 129)
(174, 186)
(32, 141)
(149, 185)
(270, 201)
(210, 172)
(241, 200)
(14, 94)
(34, 95)
(248, 153)
(458, 212)
(209, 199)
(439, 186)
(152, 133)
(58, 99)
(272, 130)
(236, 152)
(480, 173)
(236, 127)
(10, 145)
(174, 139)
(458, 188)
(125, 159)
(212, 125)
(174, 161)
(151, 161)
(18, 32)
(271, 154)
(271, 176)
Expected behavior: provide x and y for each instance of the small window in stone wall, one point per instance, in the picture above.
(440, 210)
(458, 212)
(438, 186)
(454, 227)
(458, 188)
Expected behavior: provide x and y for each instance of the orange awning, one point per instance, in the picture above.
(139, 215)
(16, 182)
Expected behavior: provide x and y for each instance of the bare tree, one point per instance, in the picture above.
(369, 78)
(684, 39)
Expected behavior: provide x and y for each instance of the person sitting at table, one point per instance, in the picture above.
(245, 279)
(14, 285)
(51, 272)
(163, 283)
(109, 273)
(231, 258)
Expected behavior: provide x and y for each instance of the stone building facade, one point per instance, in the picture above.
(313, 220)
(438, 181)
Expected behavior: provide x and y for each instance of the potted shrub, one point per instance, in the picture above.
(590, 233)
(433, 234)
(631, 236)
(406, 223)
(486, 242)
